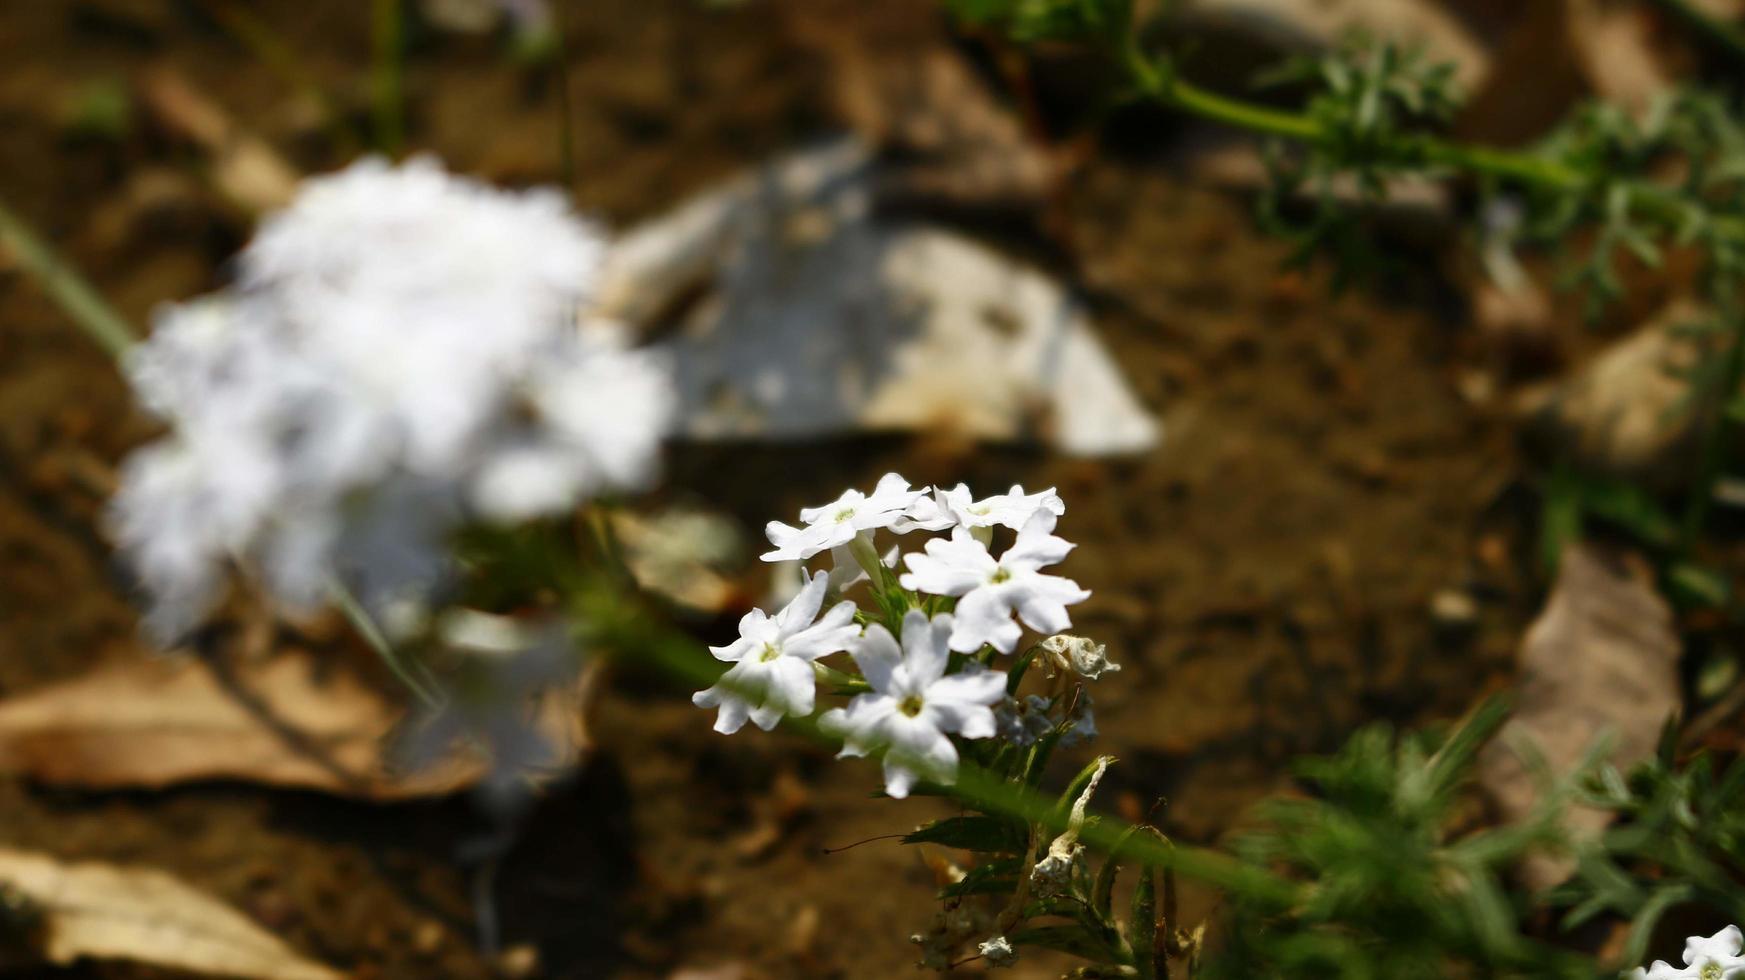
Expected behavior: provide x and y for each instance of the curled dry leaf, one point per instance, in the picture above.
(1601, 660)
(99, 911)
(1627, 412)
(682, 554)
(149, 721)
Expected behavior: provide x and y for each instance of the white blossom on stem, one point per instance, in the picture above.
(1662, 970)
(892, 505)
(772, 673)
(1715, 957)
(1719, 950)
(1012, 509)
(991, 590)
(913, 705)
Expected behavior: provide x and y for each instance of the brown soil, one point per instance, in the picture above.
(1264, 576)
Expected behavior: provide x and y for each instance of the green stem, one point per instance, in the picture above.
(387, 82)
(65, 286)
(366, 627)
(1156, 80)
(640, 642)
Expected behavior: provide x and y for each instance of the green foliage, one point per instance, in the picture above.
(1679, 840)
(1364, 95)
(1047, 20)
(1395, 889)
(102, 109)
(1690, 133)
(980, 833)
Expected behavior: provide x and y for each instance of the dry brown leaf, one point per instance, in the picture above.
(1601, 659)
(1557, 52)
(682, 554)
(244, 167)
(143, 915)
(152, 721)
(1625, 412)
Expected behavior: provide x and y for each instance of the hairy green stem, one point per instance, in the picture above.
(639, 642)
(1156, 80)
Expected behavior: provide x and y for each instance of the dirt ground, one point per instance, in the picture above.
(1265, 576)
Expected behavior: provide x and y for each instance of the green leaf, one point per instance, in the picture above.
(1628, 506)
(1142, 925)
(995, 834)
(1015, 676)
(1698, 585)
(1103, 892)
(994, 878)
(1073, 940)
(1076, 788)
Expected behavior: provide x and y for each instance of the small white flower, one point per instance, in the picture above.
(913, 705)
(1087, 658)
(1716, 955)
(772, 672)
(990, 590)
(1661, 970)
(840, 521)
(1012, 509)
(598, 413)
(400, 356)
(998, 951)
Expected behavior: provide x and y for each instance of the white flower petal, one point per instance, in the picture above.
(1035, 546)
(877, 655)
(983, 617)
(803, 607)
(925, 645)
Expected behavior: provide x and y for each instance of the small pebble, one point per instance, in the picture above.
(1453, 609)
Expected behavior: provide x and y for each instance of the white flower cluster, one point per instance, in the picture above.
(400, 355)
(1715, 957)
(916, 699)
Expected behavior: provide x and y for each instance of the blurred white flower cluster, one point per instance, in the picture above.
(400, 355)
(1715, 957)
(926, 651)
